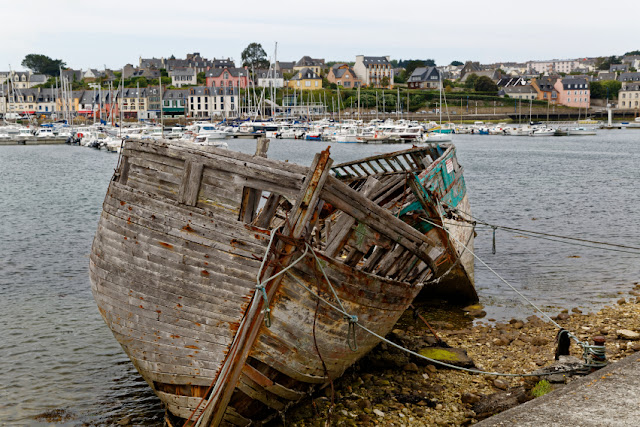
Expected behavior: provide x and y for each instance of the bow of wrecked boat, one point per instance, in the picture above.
(235, 283)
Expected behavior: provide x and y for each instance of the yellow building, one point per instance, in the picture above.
(306, 79)
(72, 101)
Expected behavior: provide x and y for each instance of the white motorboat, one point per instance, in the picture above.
(212, 132)
(543, 131)
(211, 141)
(634, 124)
(519, 131)
(112, 144)
(437, 137)
(45, 133)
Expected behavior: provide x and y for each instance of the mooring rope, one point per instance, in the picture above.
(588, 349)
(406, 350)
(552, 237)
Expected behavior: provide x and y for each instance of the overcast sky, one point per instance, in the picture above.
(114, 32)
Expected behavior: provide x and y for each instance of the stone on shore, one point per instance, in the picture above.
(452, 356)
(626, 334)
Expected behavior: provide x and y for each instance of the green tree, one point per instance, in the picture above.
(603, 63)
(633, 52)
(456, 63)
(597, 90)
(485, 84)
(141, 81)
(470, 82)
(611, 88)
(201, 78)
(42, 64)
(254, 56)
(385, 81)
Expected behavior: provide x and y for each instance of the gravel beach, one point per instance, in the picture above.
(389, 387)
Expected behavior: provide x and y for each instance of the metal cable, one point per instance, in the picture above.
(543, 234)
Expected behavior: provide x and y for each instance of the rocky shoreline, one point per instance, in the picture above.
(389, 387)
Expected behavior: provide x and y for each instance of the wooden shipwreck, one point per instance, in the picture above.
(176, 267)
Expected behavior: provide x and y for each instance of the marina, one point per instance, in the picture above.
(559, 173)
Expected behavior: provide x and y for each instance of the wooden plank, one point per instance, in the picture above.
(268, 211)
(222, 158)
(269, 385)
(190, 185)
(233, 417)
(189, 227)
(138, 267)
(337, 193)
(124, 170)
(251, 196)
(343, 227)
(254, 391)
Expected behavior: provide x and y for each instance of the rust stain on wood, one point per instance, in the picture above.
(188, 228)
(166, 245)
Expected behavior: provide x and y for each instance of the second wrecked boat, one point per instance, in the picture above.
(209, 267)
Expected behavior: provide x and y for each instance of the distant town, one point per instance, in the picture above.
(198, 87)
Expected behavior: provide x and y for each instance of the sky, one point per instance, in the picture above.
(90, 34)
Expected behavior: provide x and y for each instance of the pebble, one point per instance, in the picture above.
(378, 412)
(501, 384)
(626, 334)
(412, 367)
(538, 341)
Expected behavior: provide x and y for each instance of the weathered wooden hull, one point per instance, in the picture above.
(436, 198)
(177, 254)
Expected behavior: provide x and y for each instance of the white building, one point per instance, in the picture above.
(269, 78)
(183, 77)
(629, 97)
(371, 70)
(213, 102)
(553, 66)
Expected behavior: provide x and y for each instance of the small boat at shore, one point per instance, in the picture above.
(209, 267)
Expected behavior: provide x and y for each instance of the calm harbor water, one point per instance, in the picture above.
(60, 363)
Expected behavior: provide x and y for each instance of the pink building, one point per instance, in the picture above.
(227, 77)
(573, 92)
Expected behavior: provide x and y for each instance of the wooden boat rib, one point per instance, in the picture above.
(179, 247)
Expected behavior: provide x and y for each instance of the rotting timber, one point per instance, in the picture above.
(180, 244)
